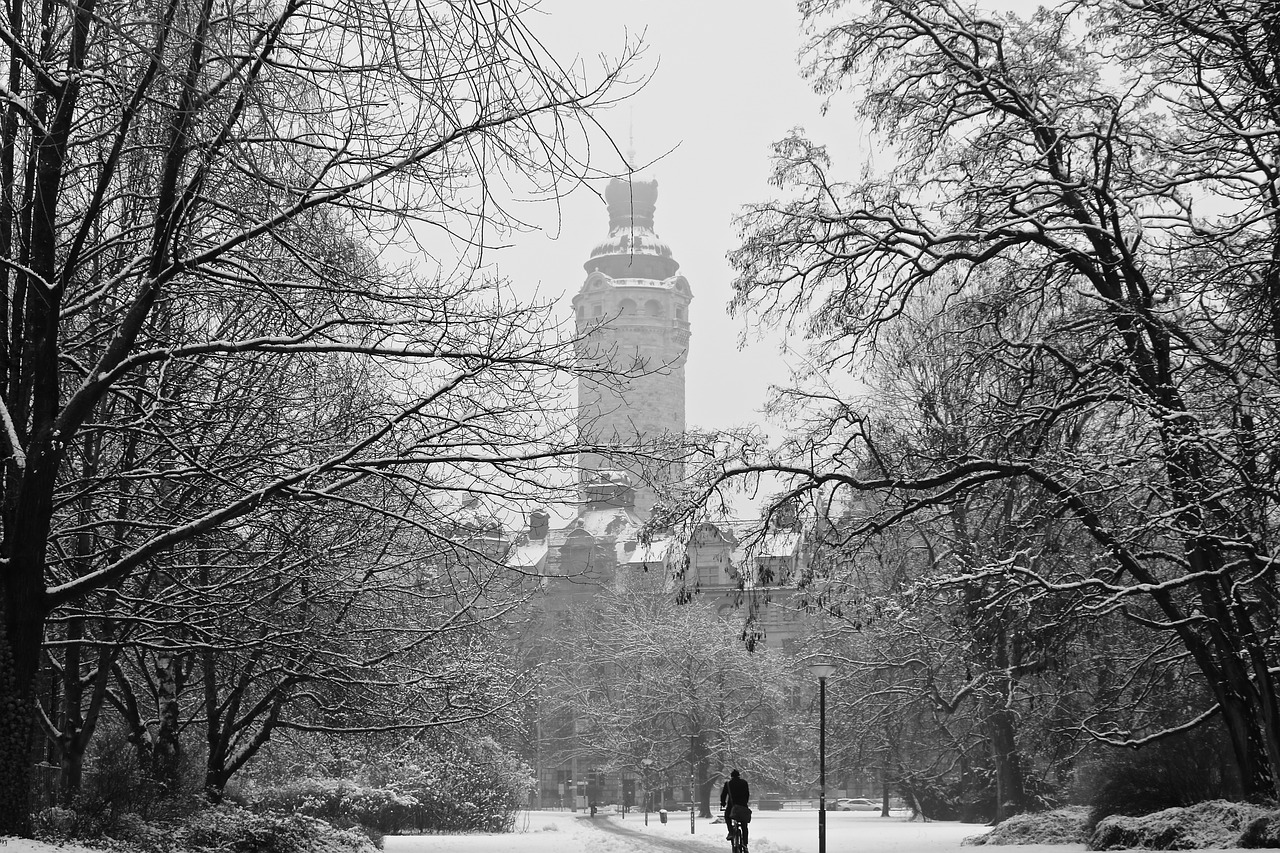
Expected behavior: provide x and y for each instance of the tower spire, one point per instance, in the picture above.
(631, 138)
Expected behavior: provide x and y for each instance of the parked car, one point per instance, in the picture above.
(856, 804)
(770, 802)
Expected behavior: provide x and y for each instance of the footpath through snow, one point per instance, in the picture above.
(771, 832)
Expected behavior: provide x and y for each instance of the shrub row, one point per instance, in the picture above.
(217, 829)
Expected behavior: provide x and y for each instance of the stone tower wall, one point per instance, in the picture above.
(648, 402)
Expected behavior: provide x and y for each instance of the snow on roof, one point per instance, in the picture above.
(749, 544)
(780, 544)
(618, 522)
(529, 555)
(655, 551)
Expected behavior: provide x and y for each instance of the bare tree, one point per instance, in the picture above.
(639, 676)
(1102, 176)
(188, 187)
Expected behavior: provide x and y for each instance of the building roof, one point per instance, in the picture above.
(616, 522)
(529, 555)
(784, 543)
(648, 553)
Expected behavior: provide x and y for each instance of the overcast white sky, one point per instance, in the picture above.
(725, 86)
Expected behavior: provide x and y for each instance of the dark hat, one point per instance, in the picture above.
(734, 774)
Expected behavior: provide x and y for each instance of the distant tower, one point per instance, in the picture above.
(634, 310)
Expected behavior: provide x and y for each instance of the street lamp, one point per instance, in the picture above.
(693, 782)
(645, 765)
(822, 668)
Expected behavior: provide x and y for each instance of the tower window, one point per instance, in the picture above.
(681, 314)
(597, 310)
(653, 308)
(627, 306)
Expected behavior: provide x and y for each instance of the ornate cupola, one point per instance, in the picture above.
(633, 316)
(632, 249)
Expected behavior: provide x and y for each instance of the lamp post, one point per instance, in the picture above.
(645, 765)
(822, 668)
(693, 782)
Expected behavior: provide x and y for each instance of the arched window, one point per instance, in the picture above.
(627, 306)
(653, 308)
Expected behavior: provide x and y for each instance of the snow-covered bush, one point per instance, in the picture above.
(477, 787)
(230, 829)
(1060, 826)
(55, 824)
(142, 834)
(1261, 832)
(1215, 824)
(341, 802)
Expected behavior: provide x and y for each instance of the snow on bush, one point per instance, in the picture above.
(1215, 824)
(474, 787)
(341, 802)
(1060, 826)
(55, 823)
(1262, 832)
(228, 829)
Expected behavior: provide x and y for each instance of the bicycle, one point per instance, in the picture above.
(735, 836)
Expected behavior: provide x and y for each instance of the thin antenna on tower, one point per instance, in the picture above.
(631, 138)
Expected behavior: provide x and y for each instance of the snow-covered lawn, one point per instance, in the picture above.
(771, 832)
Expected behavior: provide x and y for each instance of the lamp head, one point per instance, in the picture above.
(822, 668)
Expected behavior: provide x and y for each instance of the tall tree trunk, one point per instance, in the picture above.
(215, 768)
(71, 720)
(21, 644)
(1011, 793)
(167, 756)
(1239, 715)
(701, 756)
(16, 723)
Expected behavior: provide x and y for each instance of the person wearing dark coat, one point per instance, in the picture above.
(736, 792)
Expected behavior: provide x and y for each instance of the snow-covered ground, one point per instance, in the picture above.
(771, 832)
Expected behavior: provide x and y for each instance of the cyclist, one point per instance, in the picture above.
(735, 792)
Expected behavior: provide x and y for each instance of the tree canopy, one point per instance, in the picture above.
(1059, 287)
(239, 257)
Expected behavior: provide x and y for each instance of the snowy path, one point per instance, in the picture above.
(641, 839)
(771, 832)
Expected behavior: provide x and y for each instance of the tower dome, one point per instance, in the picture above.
(632, 249)
(631, 202)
